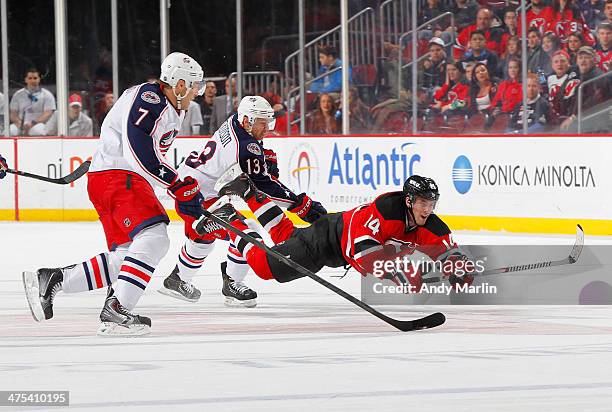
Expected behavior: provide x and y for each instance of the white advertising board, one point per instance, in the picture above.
(514, 177)
(503, 178)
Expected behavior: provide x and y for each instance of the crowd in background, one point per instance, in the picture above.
(469, 79)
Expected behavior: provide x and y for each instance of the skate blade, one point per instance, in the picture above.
(168, 292)
(230, 174)
(32, 292)
(113, 329)
(235, 303)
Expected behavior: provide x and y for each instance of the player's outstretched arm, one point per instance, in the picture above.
(3, 167)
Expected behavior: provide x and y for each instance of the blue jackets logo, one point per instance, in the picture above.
(462, 174)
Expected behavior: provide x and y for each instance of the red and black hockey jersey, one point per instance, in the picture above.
(381, 230)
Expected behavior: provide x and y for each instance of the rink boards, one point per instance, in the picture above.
(539, 184)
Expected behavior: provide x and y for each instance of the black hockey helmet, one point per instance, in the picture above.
(419, 186)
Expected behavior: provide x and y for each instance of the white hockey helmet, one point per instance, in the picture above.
(256, 107)
(179, 66)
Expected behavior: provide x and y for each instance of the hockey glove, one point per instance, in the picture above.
(307, 209)
(271, 162)
(3, 167)
(458, 268)
(188, 197)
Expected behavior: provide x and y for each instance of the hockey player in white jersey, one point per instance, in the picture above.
(238, 141)
(130, 160)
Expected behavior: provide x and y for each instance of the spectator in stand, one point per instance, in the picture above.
(493, 36)
(479, 53)
(468, 69)
(483, 88)
(223, 106)
(567, 19)
(604, 44)
(574, 42)
(192, 124)
(538, 61)
(608, 12)
(550, 45)
(537, 16)
(206, 105)
(464, 12)
(513, 51)
(452, 97)
(593, 93)
(104, 107)
(593, 12)
(31, 107)
(433, 70)
(431, 10)
(323, 119)
(360, 118)
(538, 109)
(509, 28)
(79, 124)
(562, 85)
(331, 83)
(510, 91)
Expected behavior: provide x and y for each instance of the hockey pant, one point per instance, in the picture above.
(288, 240)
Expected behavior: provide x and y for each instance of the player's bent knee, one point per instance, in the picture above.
(152, 242)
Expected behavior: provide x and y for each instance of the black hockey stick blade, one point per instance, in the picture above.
(430, 321)
(78, 172)
(571, 259)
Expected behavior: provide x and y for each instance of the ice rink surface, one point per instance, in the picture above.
(301, 348)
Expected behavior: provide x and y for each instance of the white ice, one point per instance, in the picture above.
(301, 348)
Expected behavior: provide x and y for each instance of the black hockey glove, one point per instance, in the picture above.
(307, 209)
(3, 167)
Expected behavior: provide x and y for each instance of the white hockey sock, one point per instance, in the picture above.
(145, 252)
(191, 258)
(237, 266)
(95, 273)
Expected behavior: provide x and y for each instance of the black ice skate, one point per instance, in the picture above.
(175, 287)
(40, 289)
(237, 294)
(118, 321)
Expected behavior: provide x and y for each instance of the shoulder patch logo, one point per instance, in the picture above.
(150, 97)
(254, 148)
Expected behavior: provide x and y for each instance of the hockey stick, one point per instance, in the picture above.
(430, 321)
(571, 259)
(78, 172)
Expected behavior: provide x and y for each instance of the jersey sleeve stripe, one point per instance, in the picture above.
(364, 250)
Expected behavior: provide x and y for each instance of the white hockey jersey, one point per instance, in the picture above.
(229, 145)
(137, 133)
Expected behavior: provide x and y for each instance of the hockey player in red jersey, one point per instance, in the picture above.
(129, 162)
(238, 140)
(393, 224)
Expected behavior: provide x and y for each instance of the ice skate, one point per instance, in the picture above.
(222, 209)
(175, 287)
(40, 289)
(237, 294)
(118, 321)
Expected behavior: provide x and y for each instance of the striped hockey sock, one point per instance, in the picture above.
(132, 281)
(95, 273)
(191, 258)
